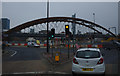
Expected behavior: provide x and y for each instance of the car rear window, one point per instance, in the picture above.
(87, 54)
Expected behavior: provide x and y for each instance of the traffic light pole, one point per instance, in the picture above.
(47, 26)
(52, 46)
(68, 48)
(73, 27)
(67, 36)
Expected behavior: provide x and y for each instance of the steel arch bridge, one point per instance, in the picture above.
(64, 20)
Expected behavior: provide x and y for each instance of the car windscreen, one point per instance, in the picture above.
(87, 54)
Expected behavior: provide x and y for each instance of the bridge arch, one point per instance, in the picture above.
(59, 19)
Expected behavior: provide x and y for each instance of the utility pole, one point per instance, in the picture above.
(94, 17)
(93, 26)
(47, 25)
(68, 47)
(73, 29)
(94, 20)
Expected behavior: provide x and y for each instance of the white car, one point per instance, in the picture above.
(33, 44)
(88, 61)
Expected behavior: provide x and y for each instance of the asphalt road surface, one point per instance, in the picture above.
(31, 61)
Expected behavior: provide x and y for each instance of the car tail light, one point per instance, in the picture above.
(75, 61)
(100, 61)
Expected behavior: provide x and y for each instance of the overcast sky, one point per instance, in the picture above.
(21, 12)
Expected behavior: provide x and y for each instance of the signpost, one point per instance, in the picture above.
(57, 57)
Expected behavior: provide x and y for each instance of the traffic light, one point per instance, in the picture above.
(52, 32)
(67, 30)
(49, 38)
(49, 35)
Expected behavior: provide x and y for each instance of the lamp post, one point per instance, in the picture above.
(94, 17)
(47, 25)
(93, 25)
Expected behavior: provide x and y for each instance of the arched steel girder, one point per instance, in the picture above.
(57, 19)
(82, 25)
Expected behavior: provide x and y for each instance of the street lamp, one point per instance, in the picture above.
(93, 21)
(93, 25)
(94, 17)
(47, 26)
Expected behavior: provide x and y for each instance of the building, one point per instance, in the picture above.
(5, 24)
(119, 17)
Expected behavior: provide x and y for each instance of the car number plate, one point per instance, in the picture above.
(87, 69)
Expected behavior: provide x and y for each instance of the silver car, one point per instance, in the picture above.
(88, 61)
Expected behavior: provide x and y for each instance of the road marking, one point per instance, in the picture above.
(25, 73)
(14, 53)
(57, 72)
(60, 73)
(38, 73)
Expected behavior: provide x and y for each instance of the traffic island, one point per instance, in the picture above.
(58, 58)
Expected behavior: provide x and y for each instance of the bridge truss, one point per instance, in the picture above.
(59, 23)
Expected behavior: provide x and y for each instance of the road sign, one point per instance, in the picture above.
(57, 58)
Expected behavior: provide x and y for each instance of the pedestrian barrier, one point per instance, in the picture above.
(100, 46)
(13, 44)
(88, 46)
(21, 44)
(67, 45)
(45, 45)
(17, 44)
(25, 44)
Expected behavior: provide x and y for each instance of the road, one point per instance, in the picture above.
(31, 60)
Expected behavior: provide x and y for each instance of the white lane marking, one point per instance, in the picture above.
(28, 73)
(57, 72)
(60, 73)
(25, 73)
(14, 53)
(38, 72)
